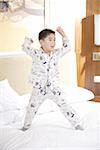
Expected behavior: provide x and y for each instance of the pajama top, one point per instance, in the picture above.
(44, 70)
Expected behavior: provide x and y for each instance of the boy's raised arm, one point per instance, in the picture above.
(66, 46)
(61, 31)
(27, 46)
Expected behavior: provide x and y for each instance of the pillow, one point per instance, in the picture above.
(4, 84)
(9, 98)
(12, 116)
(77, 94)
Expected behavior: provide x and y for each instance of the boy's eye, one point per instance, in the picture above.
(51, 39)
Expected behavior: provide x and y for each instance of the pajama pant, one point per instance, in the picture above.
(38, 96)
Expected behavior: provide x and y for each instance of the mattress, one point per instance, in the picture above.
(51, 131)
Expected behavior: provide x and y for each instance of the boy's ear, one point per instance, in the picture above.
(41, 42)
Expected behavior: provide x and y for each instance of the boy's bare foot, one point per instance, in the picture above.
(24, 129)
(79, 127)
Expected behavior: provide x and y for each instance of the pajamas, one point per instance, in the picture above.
(39, 96)
(45, 81)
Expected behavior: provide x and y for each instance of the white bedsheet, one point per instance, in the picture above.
(51, 131)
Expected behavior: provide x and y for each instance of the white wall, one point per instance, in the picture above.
(64, 13)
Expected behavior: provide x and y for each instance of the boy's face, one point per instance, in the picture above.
(48, 43)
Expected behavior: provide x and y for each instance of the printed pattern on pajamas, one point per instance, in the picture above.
(45, 81)
(39, 96)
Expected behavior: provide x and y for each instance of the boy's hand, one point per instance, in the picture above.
(28, 40)
(61, 31)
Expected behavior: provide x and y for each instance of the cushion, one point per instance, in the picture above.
(77, 94)
(12, 116)
(9, 98)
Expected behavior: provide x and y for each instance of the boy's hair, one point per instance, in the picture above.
(44, 33)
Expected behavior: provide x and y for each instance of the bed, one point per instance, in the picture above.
(50, 130)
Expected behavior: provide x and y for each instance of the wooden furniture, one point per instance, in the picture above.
(87, 67)
(92, 7)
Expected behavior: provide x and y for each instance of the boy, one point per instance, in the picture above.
(44, 76)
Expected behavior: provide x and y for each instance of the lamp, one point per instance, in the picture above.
(13, 9)
(12, 5)
(4, 6)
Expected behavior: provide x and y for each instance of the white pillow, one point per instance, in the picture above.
(9, 98)
(13, 116)
(77, 94)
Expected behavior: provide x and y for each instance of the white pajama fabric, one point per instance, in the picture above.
(44, 79)
(57, 95)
